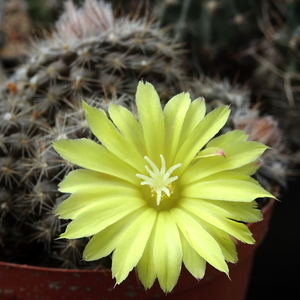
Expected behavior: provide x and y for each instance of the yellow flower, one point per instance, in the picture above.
(153, 195)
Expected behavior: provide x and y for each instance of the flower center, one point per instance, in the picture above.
(159, 180)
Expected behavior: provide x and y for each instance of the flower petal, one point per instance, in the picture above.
(128, 126)
(201, 134)
(93, 220)
(228, 138)
(194, 263)
(236, 155)
(246, 211)
(198, 238)
(226, 243)
(175, 114)
(151, 118)
(239, 211)
(249, 169)
(224, 240)
(146, 267)
(83, 179)
(105, 242)
(229, 174)
(87, 154)
(215, 216)
(111, 138)
(132, 244)
(83, 200)
(194, 116)
(167, 251)
(226, 190)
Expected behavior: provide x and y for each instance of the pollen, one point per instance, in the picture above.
(159, 179)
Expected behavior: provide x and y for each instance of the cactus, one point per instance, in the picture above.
(92, 55)
(215, 30)
(277, 75)
(95, 56)
(263, 128)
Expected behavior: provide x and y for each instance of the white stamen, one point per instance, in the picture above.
(159, 180)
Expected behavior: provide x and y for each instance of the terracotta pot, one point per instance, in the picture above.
(29, 283)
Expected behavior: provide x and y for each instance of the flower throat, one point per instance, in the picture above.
(159, 180)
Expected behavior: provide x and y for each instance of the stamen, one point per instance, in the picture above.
(159, 180)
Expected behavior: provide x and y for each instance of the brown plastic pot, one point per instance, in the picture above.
(29, 283)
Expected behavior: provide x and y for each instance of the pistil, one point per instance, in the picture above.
(159, 179)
